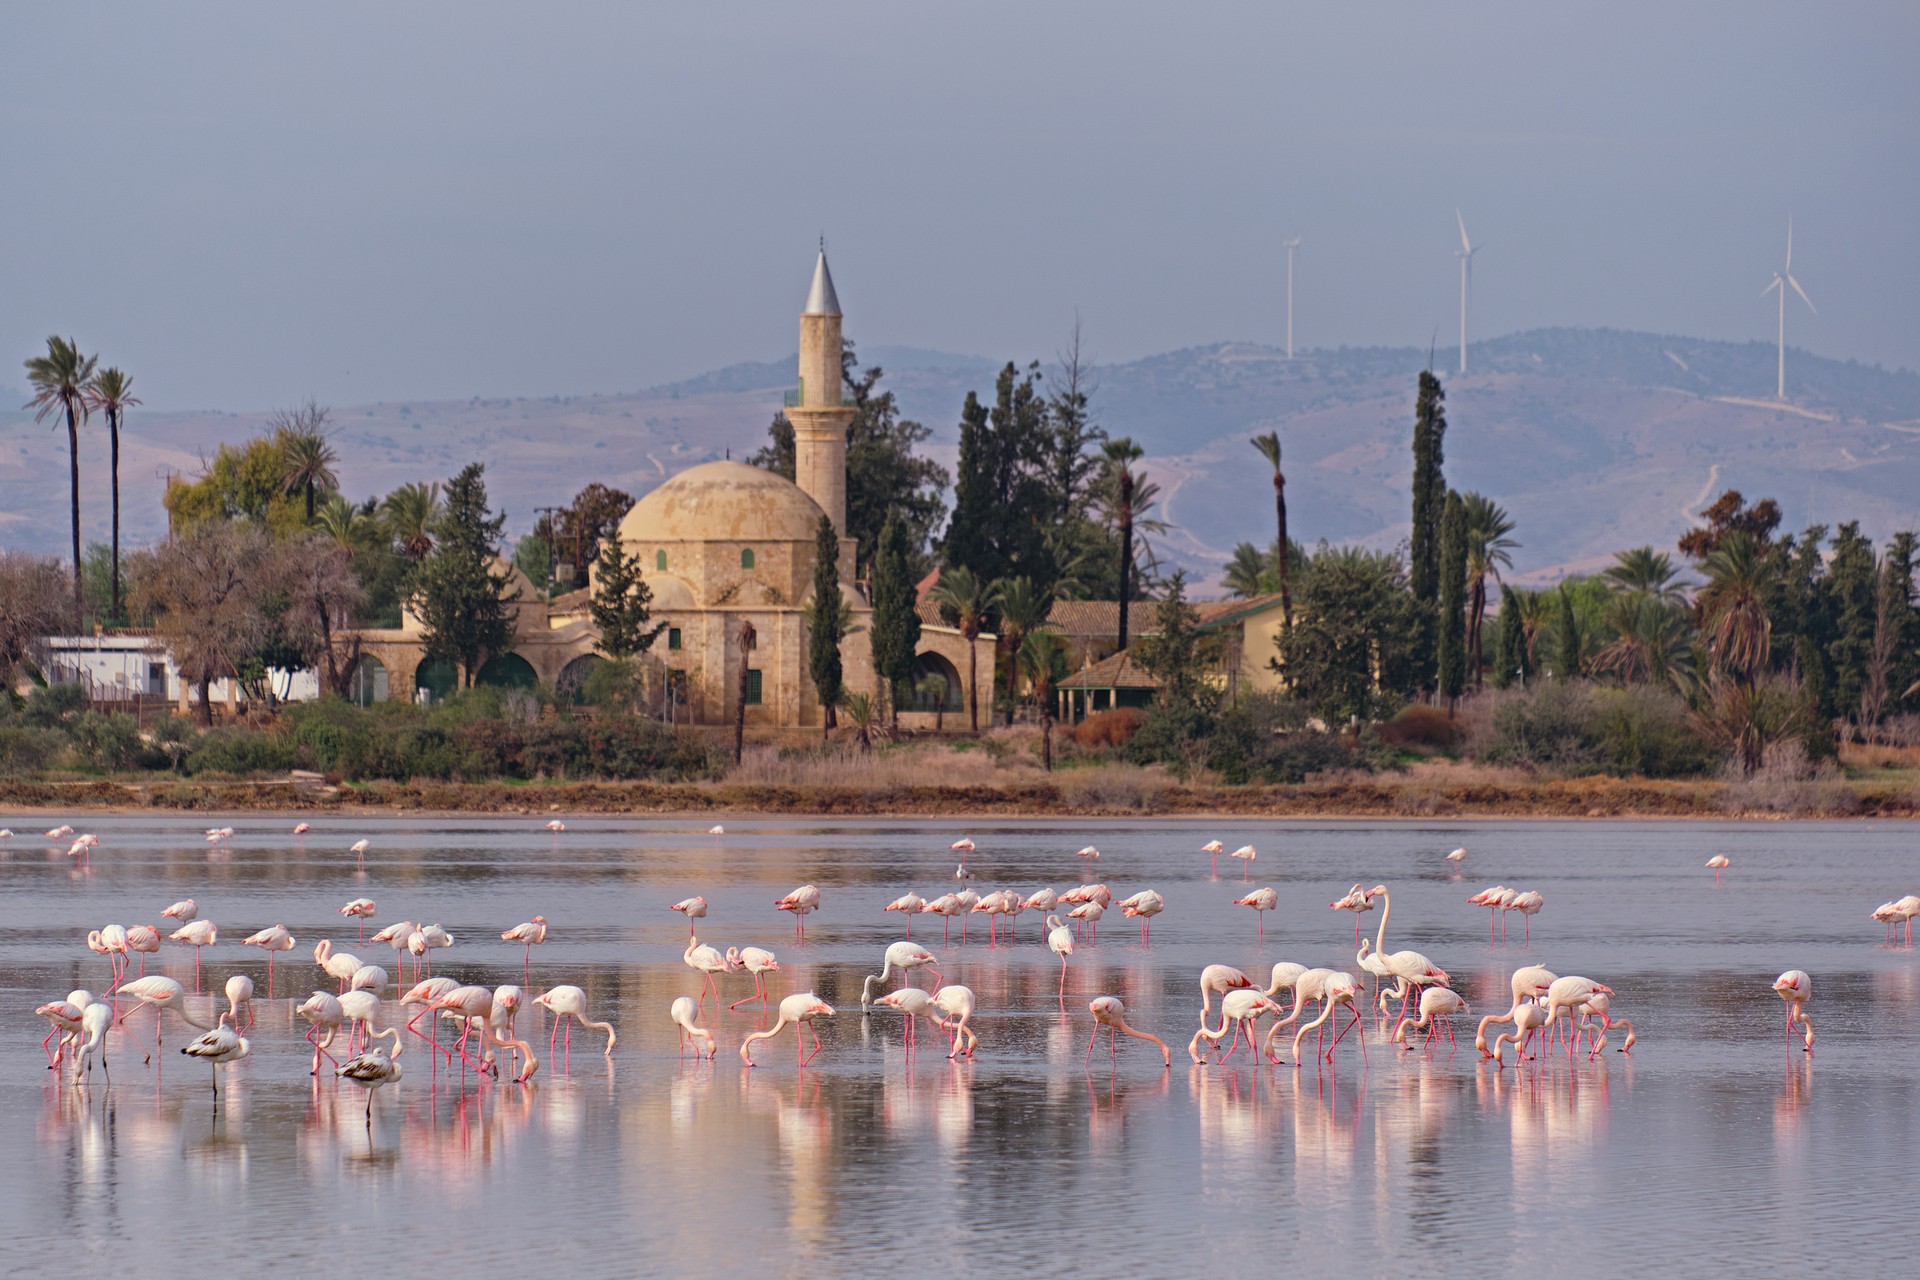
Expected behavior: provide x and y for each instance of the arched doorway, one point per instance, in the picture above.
(438, 677)
(508, 671)
(572, 684)
(369, 683)
(926, 695)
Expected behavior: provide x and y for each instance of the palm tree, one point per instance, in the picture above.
(60, 380)
(1269, 447)
(1122, 507)
(1487, 546)
(1023, 611)
(863, 717)
(1732, 605)
(1246, 573)
(1653, 643)
(1648, 572)
(112, 393)
(1045, 663)
(344, 524)
(964, 603)
(410, 512)
(1533, 616)
(748, 638)
(306, 462)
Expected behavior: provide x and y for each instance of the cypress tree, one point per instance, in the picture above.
(1567, 657)
(1852, 589)
(826, 622)
(460, 598)
(1906, 623)
(1510, 642)
(1429, 504)
(1451, 666)
(896, 616)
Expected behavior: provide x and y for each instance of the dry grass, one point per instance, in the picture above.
(881, 771)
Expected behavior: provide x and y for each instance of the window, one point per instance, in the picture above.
(753, 687)
(746, 557)
(659, 562)
(673, 637)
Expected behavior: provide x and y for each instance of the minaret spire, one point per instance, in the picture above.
(819, 418)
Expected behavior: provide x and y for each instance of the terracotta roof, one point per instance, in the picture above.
(1217, 613)
(1116, 671)
(1101, 618)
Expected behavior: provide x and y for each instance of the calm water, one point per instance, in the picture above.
(1712, 1145)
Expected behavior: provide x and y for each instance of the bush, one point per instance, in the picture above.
(53, 706)
(1650, 732)
(25, 749)
(1107, 728)
(108, 741)
(1264, 738)
(1551, 725)
(1422, 726)
(241, 752)
(1792, 783)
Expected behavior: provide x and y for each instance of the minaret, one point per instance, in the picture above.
(819, 420)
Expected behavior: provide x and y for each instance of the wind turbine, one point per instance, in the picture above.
(1291, 245)
(1781, 279)
(1465, 253)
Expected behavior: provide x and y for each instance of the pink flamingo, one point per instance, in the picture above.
(800, 1010)
(1239, 1010)
(907, 904)
(1219, 979)
(270, 940)
(1215, 848)
(531, 934)
(1111, 1012)
(1262, 901)
(684, 1013)
(1143, 906)
(802, 902)
(694, 908)
(1796, 988)
(757, 962)
(1357, 902)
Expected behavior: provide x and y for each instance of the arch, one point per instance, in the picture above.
(370, 682)
(508, 671)
(746, 557)
(930, 663)
(571, 684)
(659, 562)
(439, 677)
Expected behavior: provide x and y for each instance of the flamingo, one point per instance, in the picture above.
(1527, 1019)
(693, 908)
(1285, 974)
(359, 1009)
(95, 1019)
(1339, 990)
(507, 999)
(1060, 942)
(1528, 904)
(556, 826)
(399, 936)
(68, 1018)
(301, 828)
(322, 1011)
(800, 1010)
(684, 1013)
(1796, 988)
(1908, 907)
(907, 903)
(532, 934)
(801, 902)
(196, 934)
(1219, 978)
(706, 961)
(1357, 902)
(270, 940)
(1144, 906)
(1239, 1010)
(426, 994)
(435, 937)
(1043, 901)
(144, 939)
(60, 832)
(1001, 902)
(339, 965)
(1215, 848)
(963, 846)
(373, 1069)
(368, 977)
(1246, 854)
(185, 909)
(1435, 1002)
(1601, 1005)
(1309, 985)
(757, 962)
(967, 900)
(1530, 984)
(1718, 863)
(359, 851)
(6, 833)
(1886, 913)
(1411, 967)
(1089, 913)
(160, 994)
(1111, 1012)
(113, 943)
(1567, 996)
(914, 1003)
(240, 992)
(472, 1008)
(957, 1003)
(1458, 855)
(1262, 901)
(1089, 853)
(222, 1044)
(1087, 893)
(360, 909)
(1488, 898)
(946, 906)
(904, 956)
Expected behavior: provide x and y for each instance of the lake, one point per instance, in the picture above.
(1715, 1144)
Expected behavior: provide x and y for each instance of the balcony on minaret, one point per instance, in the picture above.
(797, 398)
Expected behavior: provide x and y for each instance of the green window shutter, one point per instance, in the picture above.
(753, 687)
(673, 637)
(659, 562)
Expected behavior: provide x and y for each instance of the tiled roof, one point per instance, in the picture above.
(1116, 671)
(1101, 618)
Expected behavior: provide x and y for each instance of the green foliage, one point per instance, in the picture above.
(533, 557)
(108, 741)
(622, 604)
(1421, 725)
(25, 750)
(1001, 489)
(577, 532)
(1650, 732)
(245, 482)
(827, 618)
(1550, 725)
(1852, 587)
(1512, 658)
(1429, 508)
(241, 753)
(461, 599)
(895, 625)
(1575, 727)
(1451, 667)
(53, 706)
(1354, 618)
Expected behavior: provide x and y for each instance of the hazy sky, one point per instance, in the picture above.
(244, 204)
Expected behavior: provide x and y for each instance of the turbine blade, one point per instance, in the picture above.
(1466, 245)
(1770, 288)
(1803, 295)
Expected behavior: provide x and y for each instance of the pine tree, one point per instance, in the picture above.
(1852, 586)
(1429, 506)
(1905, 672)
(1510, 643)
(826, 618)
(622, 604)
(896, 615)
(1451, 664)
(461, 599)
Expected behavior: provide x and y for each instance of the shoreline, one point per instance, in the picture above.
(1598, 798)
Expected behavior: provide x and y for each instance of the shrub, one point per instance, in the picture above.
(1264, 738)
(1551, 725)
(25, 749)
(109, 741)
(1790, 782)
(240, 752)
(1649, 731)
(1107, 728)
(52, 706)
(1422, 726)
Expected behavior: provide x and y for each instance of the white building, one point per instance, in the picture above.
(128, 668)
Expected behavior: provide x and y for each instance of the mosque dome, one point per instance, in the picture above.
(722, 502)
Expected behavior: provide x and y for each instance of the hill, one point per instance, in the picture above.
(1593, 439)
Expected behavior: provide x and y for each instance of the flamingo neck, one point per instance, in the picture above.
(1386, 909)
